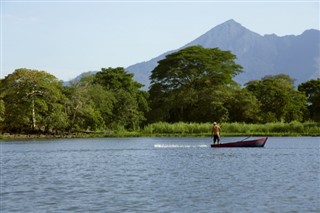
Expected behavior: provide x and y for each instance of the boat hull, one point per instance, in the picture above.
(249, 143)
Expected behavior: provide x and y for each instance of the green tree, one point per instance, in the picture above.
(278, 98)
(192, 85)
(85, 104)
(130, 102)
(312, 91)
(243, 106)
(33, 101)
(2, 109)
(103, 101)
(117, 79)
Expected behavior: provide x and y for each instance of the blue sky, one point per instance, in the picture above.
(67, 38)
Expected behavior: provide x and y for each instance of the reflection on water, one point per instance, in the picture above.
(159, 175)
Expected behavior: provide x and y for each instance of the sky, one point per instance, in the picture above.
(67, 38)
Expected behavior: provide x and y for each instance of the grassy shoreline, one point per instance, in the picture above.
(162, 129)
(237, 129)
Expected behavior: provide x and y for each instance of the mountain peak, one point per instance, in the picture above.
(259, 55)
(231, 22)
(222, 35)
(230, 27)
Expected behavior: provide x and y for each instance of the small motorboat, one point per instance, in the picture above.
(243, 143)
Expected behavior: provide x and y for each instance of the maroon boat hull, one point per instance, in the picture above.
(249, 143)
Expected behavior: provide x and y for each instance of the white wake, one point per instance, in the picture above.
(179, 146)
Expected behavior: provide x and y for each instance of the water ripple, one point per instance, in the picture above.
(159, 175)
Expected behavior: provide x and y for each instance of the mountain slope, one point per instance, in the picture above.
(297, 56)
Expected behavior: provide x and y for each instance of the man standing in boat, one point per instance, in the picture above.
(215, 132)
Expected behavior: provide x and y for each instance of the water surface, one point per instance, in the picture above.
(159, 175)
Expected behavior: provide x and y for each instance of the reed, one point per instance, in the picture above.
(196, 129)
(234, 129)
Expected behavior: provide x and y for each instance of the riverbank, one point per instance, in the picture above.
(181, 129)
(236, 129)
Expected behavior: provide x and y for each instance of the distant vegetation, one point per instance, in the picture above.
(189, 90)
(234, 129)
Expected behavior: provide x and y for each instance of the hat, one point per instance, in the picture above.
(214, 122)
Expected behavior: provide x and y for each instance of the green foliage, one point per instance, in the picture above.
(2, 108)
(115, 79)
(56, 120)
(196, 66)
(35, 101)
(234, 129)
(103, 101)
(2, 111)
(30, 98)
(312, 91)
(81, 108)
(192, 85)
(129, 103)
(243, 106)
(177, 128)
(189, 89)
(278, 99)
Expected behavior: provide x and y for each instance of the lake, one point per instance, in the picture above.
(167, 174)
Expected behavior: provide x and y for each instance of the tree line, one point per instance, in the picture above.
(195, 84)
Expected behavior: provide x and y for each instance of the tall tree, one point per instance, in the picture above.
(130, 102)
(243, 106)
(192, 85)
(81, 106)
(33, 101)
(312, 91)
(2, 109)
(278, 98)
